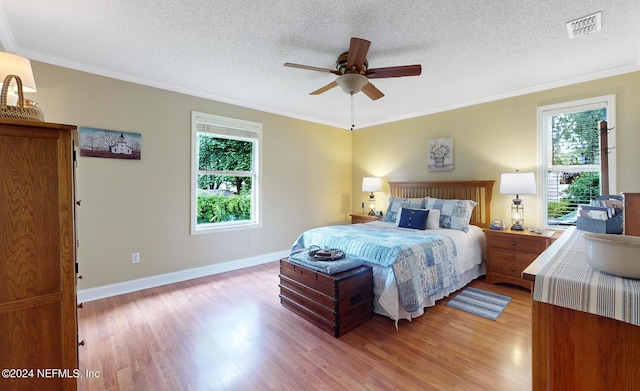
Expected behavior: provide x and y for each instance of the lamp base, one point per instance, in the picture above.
(517, 227)
(372, 204)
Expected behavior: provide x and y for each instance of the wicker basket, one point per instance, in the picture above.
(19, 111)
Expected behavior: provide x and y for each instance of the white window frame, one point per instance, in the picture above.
(226, 127)
(544, 147)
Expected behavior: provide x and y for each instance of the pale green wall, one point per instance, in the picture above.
(492, 138)
(143, 206)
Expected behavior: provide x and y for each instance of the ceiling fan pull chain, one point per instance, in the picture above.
(353, 121)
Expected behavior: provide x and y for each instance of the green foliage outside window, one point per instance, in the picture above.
(576, 142)
(557, 209)
(583, 189)
(215, 208)
(576, 138)
(224, 197)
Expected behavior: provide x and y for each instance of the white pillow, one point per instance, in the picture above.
(433, 220)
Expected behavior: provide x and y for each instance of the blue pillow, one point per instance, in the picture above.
(413, 218)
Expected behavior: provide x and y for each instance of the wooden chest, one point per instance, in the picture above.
(336, 303)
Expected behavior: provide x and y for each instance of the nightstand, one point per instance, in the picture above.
(363, 218)
(510, 252)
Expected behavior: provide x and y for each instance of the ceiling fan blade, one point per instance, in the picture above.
(358, 49)
(324, 89)
(372, 92)
(406, 70)
(310, 68)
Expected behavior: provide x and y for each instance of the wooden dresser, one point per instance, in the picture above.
(38, 324)
(577, 350)
(336, 303)
(510, 252)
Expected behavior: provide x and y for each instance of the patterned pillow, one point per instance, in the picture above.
(454, 214)
(395, 203)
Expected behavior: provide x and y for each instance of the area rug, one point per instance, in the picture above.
(478, 302)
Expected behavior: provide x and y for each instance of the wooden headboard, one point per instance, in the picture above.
(478, 191)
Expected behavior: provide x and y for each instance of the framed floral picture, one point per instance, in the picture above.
(441, 154)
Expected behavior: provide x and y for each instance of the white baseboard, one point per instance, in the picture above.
(101, 292)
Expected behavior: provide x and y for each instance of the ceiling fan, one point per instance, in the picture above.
(354, 74)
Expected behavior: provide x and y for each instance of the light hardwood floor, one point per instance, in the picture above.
(229, 331)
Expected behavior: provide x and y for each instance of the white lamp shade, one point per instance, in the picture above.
(517, 183)
(10, 64)
(371, 183)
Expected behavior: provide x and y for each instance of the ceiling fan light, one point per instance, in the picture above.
(352, 83)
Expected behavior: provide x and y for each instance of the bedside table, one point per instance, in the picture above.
(510, 252)
(363, 218)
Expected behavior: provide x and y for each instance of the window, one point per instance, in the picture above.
(570, 156)
(225, 178)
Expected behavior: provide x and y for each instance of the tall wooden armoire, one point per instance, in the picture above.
(38, 318)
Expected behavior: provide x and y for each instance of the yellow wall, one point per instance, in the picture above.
(492, 138)
(143, 206)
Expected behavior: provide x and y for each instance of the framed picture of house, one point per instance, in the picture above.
(112, 144)
(441, 154)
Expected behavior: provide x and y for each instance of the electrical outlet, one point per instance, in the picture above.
(135, 257)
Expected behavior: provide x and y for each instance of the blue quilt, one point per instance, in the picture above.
(422, 261)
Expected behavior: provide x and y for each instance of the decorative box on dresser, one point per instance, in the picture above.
(510, 252)
(38, 319)
(357, 218)
(336, 303)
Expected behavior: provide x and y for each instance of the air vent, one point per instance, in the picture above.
(585, 25)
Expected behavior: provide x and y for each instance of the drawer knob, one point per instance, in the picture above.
(513, 243)
(81, 343)
(513, 269)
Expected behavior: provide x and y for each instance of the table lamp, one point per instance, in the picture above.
(371, 184)
(517, 183)
(10, 64)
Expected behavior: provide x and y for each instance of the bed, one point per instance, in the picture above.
(413, 268)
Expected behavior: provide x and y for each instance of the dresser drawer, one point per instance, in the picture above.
(362, 218)
(519, 243)
(509, 262)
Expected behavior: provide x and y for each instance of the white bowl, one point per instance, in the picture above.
(614, 254)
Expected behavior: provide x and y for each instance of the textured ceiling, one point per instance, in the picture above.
(471, 51)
